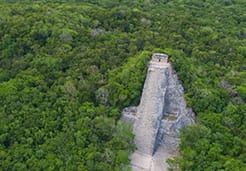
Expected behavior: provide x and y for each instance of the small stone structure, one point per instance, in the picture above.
(160, 57)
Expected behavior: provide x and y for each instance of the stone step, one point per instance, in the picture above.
(140, 161)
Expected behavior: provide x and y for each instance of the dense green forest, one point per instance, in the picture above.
(67, 68)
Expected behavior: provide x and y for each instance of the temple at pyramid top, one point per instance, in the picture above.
(160, 57)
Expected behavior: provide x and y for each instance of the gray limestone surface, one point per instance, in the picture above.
(158, 118)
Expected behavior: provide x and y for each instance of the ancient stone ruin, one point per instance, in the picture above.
(158, 118)
(159, 57)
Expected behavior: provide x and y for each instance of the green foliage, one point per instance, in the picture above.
(67, 67)
(126, 82)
